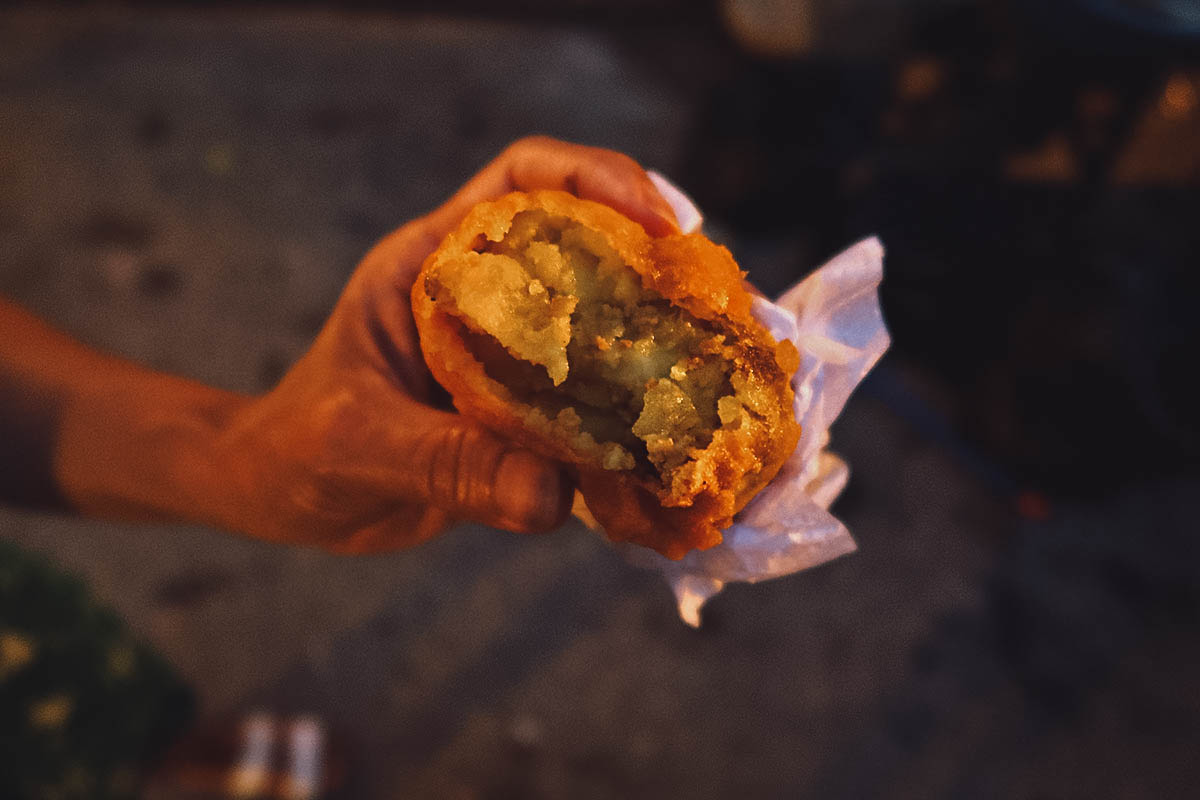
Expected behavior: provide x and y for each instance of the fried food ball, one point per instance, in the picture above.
(562, 324)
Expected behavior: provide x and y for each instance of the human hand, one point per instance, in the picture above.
(348, 452)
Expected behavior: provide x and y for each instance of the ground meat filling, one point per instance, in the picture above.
(555, 315)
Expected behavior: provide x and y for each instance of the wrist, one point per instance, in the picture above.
(147, 446)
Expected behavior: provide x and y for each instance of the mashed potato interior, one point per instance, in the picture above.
(556, 316)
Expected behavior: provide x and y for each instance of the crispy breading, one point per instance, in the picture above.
(561, 324)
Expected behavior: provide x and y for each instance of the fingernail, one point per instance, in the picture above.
(686, 213)
(531, 492)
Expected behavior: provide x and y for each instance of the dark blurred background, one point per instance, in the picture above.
(191, 186)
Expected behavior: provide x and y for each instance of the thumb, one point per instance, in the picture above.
(471, 473)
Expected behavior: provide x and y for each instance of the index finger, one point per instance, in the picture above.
(591, 173)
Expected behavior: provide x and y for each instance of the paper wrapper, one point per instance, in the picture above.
(834, 319)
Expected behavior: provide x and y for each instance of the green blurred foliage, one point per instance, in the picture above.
(84, 707)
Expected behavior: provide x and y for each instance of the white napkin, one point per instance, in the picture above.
(834, 319)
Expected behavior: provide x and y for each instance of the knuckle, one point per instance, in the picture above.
(517, 149)
(532, 142)
(462, 466)
(540, 146)
(624, 161)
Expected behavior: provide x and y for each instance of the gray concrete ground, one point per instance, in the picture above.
(191, 191)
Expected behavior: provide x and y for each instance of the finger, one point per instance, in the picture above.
(443, 460)
(591, 173)
(594, 174)
(399, 255)
(474, 475)
(538, 162)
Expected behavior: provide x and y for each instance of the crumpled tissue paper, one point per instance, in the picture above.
(834, 318)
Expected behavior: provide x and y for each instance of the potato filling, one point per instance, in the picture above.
(555, 315)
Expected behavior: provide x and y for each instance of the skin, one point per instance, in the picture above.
(347, 453)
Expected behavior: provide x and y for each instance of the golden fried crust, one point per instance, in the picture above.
(691, 272)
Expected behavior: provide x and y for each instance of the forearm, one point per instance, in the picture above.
(106, 437)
